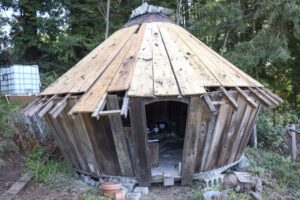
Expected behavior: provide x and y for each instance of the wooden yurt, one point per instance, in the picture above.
(150, 102)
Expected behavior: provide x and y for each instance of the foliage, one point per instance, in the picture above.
(272, 165)
(7, 127)
(239, 196)
(260, 37)
(271, 127)
(87, 196)
(46, 171)
(2, 162)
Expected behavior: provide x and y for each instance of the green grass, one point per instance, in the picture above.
(282, 174)
(279, 169)
(88, 196)
(46, 172)
(7, 128)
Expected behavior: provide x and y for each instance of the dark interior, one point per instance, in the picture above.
(166, 121)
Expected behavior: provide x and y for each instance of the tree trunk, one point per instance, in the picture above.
(107, 19)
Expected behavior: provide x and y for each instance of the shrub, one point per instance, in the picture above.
(46, 171)
(271, 127)
(285, 171)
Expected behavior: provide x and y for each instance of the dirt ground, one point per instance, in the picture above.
(11, 171)
(35, 190)
(176, 192)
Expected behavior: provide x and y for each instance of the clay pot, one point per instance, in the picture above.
(109, 189)
(119, 196)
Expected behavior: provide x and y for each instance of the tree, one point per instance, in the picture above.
(260, 37)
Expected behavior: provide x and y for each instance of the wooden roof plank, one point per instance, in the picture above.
(80, 77)
(89, 101)
(187, 80)
(105, 58)
(236, 74)
(142, 80)
(206, 78)
(122, 79)
(217, 72)
(164, 80)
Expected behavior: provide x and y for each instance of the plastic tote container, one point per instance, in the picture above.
(20, 80)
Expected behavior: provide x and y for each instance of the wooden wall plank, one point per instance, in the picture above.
(140, 138)
(63, 148)
(248, 133)
(64, 142)
(205, 119)
(82, 139)
(230, 133)
(240, 131)
(102, 144)
(119, 137)
(215, 141)
(190, 139)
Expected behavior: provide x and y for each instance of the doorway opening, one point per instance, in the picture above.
(166, 121)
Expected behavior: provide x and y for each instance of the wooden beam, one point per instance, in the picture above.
(274, 102)
(209, 104)
(109, 112)
(99, 107)
(46, 109)
(190, 140)
(246, 97)
(59, 106)
(260, 98)
(230, 99)
(274, 96)
(119, 137)
(34, 107)
(140, 139)
(124, 109)
(29, 106)
(254, 137)
(293, 142)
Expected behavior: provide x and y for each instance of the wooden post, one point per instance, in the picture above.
(190, 140)
(254, 137)
(293, 142)
(119, 137)
(137, 115)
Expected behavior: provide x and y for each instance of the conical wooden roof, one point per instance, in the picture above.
(147, 60)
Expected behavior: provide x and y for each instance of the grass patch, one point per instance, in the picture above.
(88, 196)
(7, 128)
(47, 172)
(283, 173)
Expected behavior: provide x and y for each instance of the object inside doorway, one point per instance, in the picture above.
(166, 129)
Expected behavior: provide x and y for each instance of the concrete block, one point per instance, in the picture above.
(142, 190)
(133, 196)
(168, 181)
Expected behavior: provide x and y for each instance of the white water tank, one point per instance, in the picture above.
(20, 80)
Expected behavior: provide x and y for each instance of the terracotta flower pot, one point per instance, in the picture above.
(119, 196)
(109, 189)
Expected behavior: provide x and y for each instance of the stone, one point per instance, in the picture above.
(133, 196)
(244, 163)
(142, 190)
